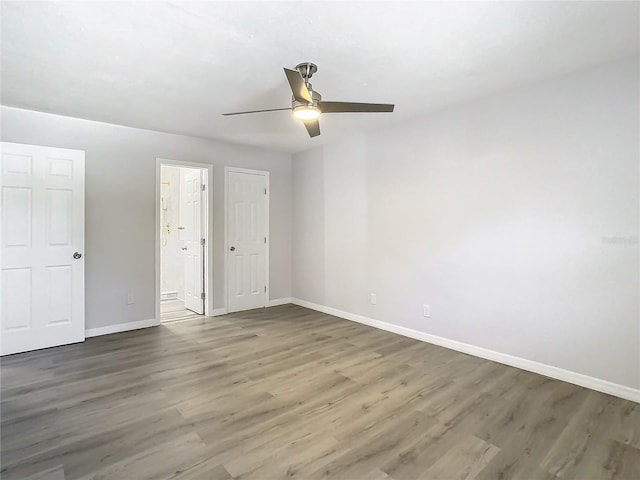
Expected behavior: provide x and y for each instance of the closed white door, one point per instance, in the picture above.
(191, 221)
(246, 239)
(42, 245)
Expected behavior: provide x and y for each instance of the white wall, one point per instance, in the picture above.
(120, 206)
(308, 229)
(498, 214)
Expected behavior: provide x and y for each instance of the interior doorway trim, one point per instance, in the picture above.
(208, 230)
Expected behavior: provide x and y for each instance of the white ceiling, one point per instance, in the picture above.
(175, 67)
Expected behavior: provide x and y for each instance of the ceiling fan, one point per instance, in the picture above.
(307, 104)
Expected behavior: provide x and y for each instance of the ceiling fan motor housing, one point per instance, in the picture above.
(315, 96)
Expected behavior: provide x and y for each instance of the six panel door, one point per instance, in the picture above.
(246, 239)
(191, 221)
(42, 221)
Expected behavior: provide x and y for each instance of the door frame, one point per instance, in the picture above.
(207, 218)
(226, 230)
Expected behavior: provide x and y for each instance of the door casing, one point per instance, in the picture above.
(207, 205)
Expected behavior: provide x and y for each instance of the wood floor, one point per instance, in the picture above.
(287, 392)
(174, 309)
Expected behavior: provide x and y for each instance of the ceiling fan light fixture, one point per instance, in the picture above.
(306, 112)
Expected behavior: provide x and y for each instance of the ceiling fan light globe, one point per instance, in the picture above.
(306, 113)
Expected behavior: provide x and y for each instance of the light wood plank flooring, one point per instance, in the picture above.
(287, 392)
(174, 309)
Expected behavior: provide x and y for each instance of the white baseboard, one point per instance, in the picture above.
(168, 295)
(121, 327)
(580, 379)
(219, 311)
(279, 301)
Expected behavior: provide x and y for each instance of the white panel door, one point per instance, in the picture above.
(246, 240)
(42, 231)
(191, 221)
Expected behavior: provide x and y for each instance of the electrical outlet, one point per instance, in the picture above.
(374, 299)
(426, 310)
(130, 299)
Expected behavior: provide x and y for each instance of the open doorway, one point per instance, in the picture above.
(182, 215)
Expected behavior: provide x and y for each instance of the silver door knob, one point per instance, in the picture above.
(77, 255)
(233, 249)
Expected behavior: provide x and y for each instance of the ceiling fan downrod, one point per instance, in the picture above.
(307, 69)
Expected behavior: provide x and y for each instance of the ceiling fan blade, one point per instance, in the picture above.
(347, 107)
(313, 127)
(257, 111)
(298, 87)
